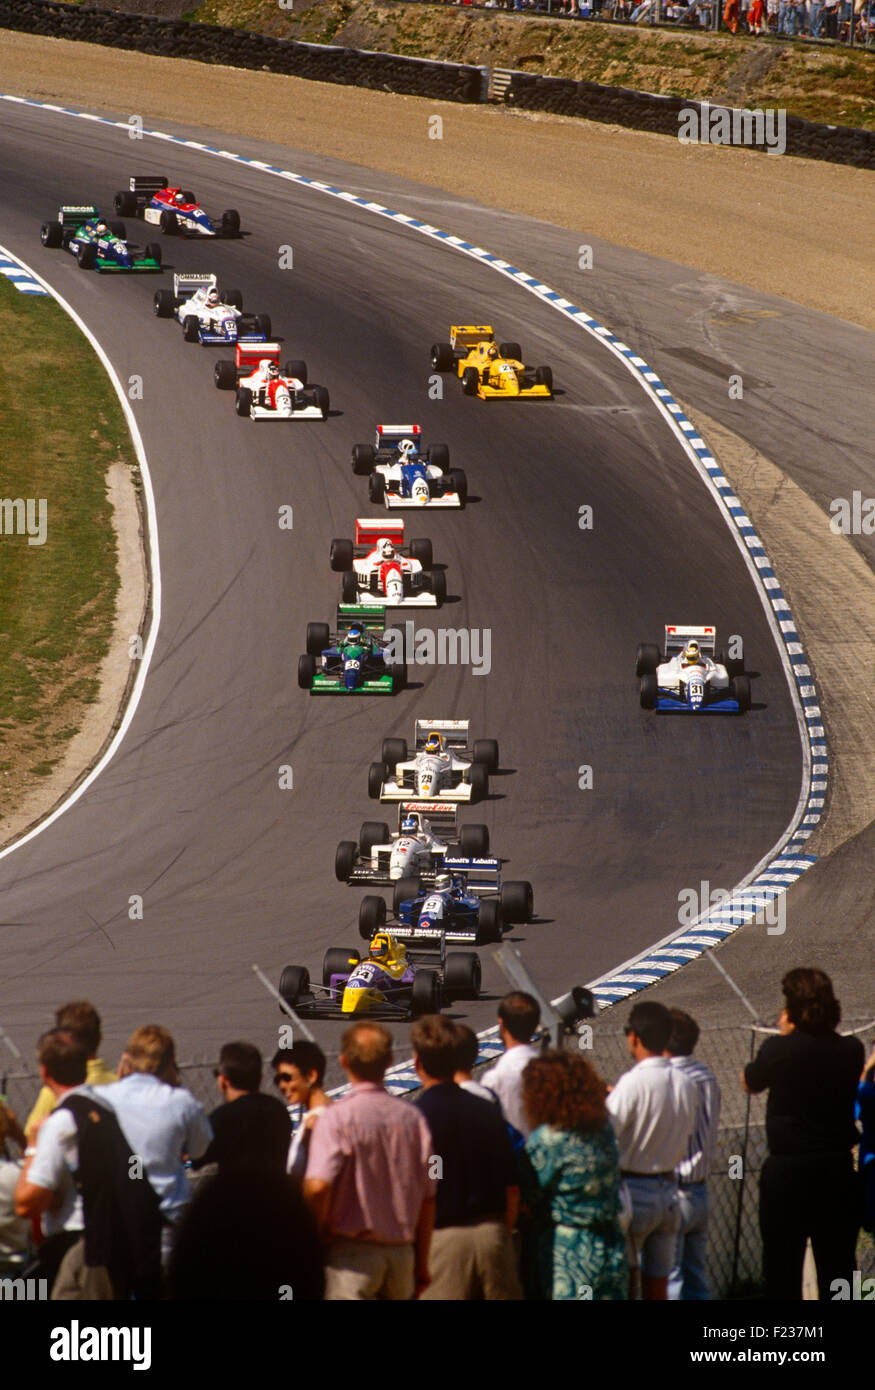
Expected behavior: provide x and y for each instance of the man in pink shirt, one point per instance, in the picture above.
(371, 1180)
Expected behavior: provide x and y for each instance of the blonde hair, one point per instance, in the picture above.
(151, 1049)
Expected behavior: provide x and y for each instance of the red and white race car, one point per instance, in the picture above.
(172, 209)
(378, 568)
(266, 393)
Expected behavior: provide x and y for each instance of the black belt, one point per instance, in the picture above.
(628, 1173)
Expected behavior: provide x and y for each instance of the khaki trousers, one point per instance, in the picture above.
(360, 1269)
(472, 1262)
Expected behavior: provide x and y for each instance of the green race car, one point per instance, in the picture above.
(351, 660)
(97, 245)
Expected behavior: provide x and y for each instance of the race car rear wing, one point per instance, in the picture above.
(454, 731)
(187, 284)
(468, 335)
(76, 216)
(371, 617)
(481, 875)
(676, 638)
(369, 530)
(443, 817)
(388, 436)
(250, 354)
(148, 183)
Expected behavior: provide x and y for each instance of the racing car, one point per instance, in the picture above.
(208, 315)
(172, 209)
(378, 568)
(687, 679)
(391, 983)
(428, 832)
(443, 766)
(351, 660)
(402, 474)
(97, 245)
(488, 369)
(266, 393)
(470, 904)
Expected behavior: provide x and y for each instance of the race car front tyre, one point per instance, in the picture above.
(646, 659)
(190, 328)
(474, 841)
(438, 456)
(243, 403)
(439, 586)
(296, 368)
(320, 398)
(230, 222)
(377, 488)
(340, 556)
(153, 251)
(443, 359)
(425, 997)
(86, 256)
(224, 372)
(125, 204)
(344, 858)
(318, 638)
(479, 780)
(649, 691)
(118, 229)
(233, 297)
(294, 982)
(376, 778)
(462, 976)
(51, 234)
(394, 751)
(544, 377)
(338, 961)
(404, 891)
(470, 381)
(489, 923)
(349, 587)
(458, 482)
(263, 324)
(485, 751)
(168, 223)
(363, 459)
(373, 832)
(306, 672)
(739, 689)
(399, 677)
(517, 902)
(163, 305)
(421, 550)
(372, 916)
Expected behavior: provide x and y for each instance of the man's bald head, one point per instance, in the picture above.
(367, 1051)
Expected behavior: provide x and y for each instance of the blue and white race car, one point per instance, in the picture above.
(173, 209)
(402, 474)
(208, 315)
(467, 901)
(687, 679)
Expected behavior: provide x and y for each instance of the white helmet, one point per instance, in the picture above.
(406, 448)
(212, 298)
(386, 549)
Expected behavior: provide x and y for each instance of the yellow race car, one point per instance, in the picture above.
(488, 369)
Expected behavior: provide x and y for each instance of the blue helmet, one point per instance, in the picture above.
(410, 824)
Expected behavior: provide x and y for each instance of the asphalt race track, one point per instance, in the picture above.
(190, 814)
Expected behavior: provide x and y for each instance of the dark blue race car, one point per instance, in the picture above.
(467, 902)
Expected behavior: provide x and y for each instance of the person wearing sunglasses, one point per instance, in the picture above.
(299, 1072)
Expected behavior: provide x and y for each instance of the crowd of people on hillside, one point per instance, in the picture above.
(534, 1181)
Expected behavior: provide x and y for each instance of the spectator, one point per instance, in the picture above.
(250, 1130)
(518, 1018)
(865, 1113)
(160, 1120)
(571, 1183)
(688, 1280)
(477, 1197)
(467, 1051)
(730, 15)
(653, 1109)
(82, 1018)
(299, 1072)
(14, 1230)
(808, 1188)
(244, 1239)
(368, 1180)
(756, 17)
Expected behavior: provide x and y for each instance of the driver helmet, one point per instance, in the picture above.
(355, 633)
(692, 655)
(443, 882)
(410, 824)
(179, 197)
(386, 549)
(100, 227)
(492, 351)
(212, 297)
(434, 743)
(383, 946)
(407, 448)
(273, 370)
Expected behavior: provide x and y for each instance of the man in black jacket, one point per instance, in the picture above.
(251, 1130)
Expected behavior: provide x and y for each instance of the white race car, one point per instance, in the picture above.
(207, 315)
(427, 832)
(687, 679)
(266, 393)
(379, 569)
(436, 771)
(403, 474)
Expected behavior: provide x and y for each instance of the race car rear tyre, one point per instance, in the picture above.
(188, 196)
(544, 377)
(404, 891)
(511, 350)
(443, 359)
(463, 974)
(306, 671)
(458, 482)
(168, 223)
(489, 923)
(163, 305)
(263, 324)
(372, 916)
(421, 550)
(734, 665)
(51, 234)
(649, 691)
(739, 688)
(394, 751)
(224, 372)
(294, 982)
(321, 399)
(318, 638)
(363, 460)
(243, 403)
(376, 778)
(470, 381)
(232, 297)
(517, 902)
(373, 832)
(153, 251)
(439, 456)
(230, 222)
(485, 751)
(474, 841)
(297, 369)
(86, 256)
(344, 858)
(399, 677)
(425, 996)
(349, 587)
(118, 229)
(439, 586)
(479, 780)
(646, 659)
(338, 961)
(190, 327)
(377, 488)
(125, 204)
(340, 556)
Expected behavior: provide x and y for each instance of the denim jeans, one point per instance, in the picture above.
(652, 1234)
(687, 1280)
(816, 11)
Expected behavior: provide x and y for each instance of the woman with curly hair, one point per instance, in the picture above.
(571, 1183)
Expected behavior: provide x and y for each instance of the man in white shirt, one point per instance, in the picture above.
(653, 1110)
(688, 1280)
(518, 1017)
